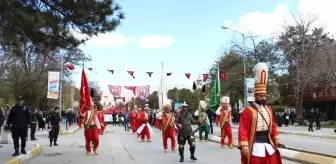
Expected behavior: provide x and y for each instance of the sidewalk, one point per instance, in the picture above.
(303, 131)
(32, 148)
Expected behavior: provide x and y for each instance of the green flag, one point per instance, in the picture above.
(215, 95)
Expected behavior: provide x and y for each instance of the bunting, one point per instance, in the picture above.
(187, 75)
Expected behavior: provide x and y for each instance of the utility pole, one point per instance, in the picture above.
(60, 87)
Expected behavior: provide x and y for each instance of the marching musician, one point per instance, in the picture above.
(145, 129)
(258, 134)
(101, 118)
(224, 112)
(203, 120)
(168, 127)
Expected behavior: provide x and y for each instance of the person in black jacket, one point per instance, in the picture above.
(33, 124)
(2, 119)
(18, 120)
(54, 122)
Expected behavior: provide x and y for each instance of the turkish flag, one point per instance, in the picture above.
(131, 73)
(85, 98)
(70, 66)
(149, 74)
(187, 75)
(223, 76)
(169, 74)
(111, 70)
(205, 77)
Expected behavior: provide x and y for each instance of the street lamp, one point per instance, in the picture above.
(244, 60)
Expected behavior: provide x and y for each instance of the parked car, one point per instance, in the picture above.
(108, 118)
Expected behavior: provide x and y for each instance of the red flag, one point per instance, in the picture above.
(131, 73)
(132, 88)
(205, 77)
(85, 99)
(149, 74)
(187, 75)
(169, 74)
(70, 66)
(223, 76)
(90, 69)
(111, 70)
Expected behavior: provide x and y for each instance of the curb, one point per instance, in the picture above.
(27, 157)
(302, 157)
(309, 135)
(304, 134)
(63, 132)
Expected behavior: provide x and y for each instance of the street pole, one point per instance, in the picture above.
(60, 87)
(244, 60)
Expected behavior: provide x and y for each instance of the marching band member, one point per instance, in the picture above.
(168, 127)
(91, 126)
(133, 117)
(145, 130)
(158, 122)
(224, 113)
(101, 118)
(258, 134)
(203, 120)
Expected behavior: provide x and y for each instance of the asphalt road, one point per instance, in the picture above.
(120, 147)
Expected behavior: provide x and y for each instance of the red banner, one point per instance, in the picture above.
(115, 90)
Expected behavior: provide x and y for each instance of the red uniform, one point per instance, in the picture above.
(91, 132)
(168, 130)
(257, 133)
(132, 122)
(101, 118)
(144, 129)
(225, 124)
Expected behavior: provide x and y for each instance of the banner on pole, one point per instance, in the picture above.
(250, 89)
(53, 85)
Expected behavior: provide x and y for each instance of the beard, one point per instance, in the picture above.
(261, 102)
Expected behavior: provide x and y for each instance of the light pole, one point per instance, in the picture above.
(244, 60)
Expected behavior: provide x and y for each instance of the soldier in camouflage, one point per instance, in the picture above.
(184, 120)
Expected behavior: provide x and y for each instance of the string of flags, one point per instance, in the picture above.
(205, 76)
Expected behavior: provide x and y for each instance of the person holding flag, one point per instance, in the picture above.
(89, 117)
(258, 134)
(224, 112)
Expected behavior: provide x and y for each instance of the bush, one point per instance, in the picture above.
(278, 108)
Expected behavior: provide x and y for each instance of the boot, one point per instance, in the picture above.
(192, 154)
(50, 143)
(16, 153)
(181, 155)
(23, 151)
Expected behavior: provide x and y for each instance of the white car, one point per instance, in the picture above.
(108, 118)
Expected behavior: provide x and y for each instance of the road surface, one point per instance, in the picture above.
(120, 147)
(313, 144)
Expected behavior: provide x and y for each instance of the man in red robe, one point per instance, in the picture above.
(101, 118)
(133, 119)
(258, 134)
(145, 129)
(168, 127)
(224, 112)
(91, 125)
